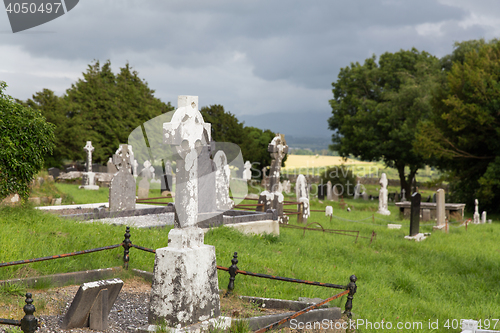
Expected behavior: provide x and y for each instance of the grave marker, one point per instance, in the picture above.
(383, 196)
(247, 173)
(440, 209)
(329, 193)
(88, 178)
(122, 187)
(415, 214)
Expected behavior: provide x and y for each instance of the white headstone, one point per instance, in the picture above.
(383, 195)
(247, 173)
(483, 217)
(329, 211)
(88, 177)
(301, 188)
(222, 179)
(440, 208)
(476, 212)
(329, 193)
(122, 187)
(357, 190)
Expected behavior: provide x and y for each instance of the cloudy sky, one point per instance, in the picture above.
(254, 57)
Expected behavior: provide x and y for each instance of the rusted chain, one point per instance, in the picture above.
(247, 205)
(273, 277)
(143, 248)
(296, 314)
(27, 261)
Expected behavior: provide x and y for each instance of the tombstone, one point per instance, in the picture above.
(415, 214)
(305, 209)
(329, 211)
(54, 172)
(278, 149)
(88, 178)
(403, 197)
(357, 190)
(167, 180)
(302, 194)
(434, 199)
(135, 164)
(122, 187)
(111, 166)
(329, 193)
(222, 179)
(321, 191)
(287, 188)
(476, 212)
(91, 305)
(440, 209)
(143, 190)
(185, 287)
(397, 197)
(335, 192)
(426, 214)
(247, 173)
(483, 217)
(382, 198)
(429, 199)
(147, 170)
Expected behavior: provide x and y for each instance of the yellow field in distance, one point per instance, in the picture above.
(312, 161)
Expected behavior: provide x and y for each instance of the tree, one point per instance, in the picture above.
(25, 137)
(102, 107)
(463, 133)
(376, 108)
(254, 148)
(225, 125)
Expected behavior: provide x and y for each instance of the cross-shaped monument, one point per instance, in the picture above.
(185, 286)
(278, 149)
(122, 188)
(88, 178)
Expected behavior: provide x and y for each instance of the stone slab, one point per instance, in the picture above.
(256, 227)
(79, 310)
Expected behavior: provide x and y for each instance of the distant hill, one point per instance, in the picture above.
(302, 130)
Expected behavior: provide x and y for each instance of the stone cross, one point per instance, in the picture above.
(278, 149)
(89, 149)
(188, 133)
(415, 214)
(476, 212)
(122, 187)
(403, 192)
(247, 173)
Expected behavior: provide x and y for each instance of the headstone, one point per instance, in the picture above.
(305, 209)
(426, 214)
(415, 214)
(88, 178)
(440, 209)
(301, 188)
(397, 197)
(143, 190)
(91, 305)
(135, 164)
(111, 166)
(476, 212)
(206, 181)
(54, 172)
(287, 188)
(147, 170)
(222, 179)
(329, 193)
(167, 178)
(122, 187)
(278, 149)
(329, 211)
(185, 287)
(483, 217)
(336, 192)
(364, 195)
(357, 190)
(403, 197)
(321, 191)
(382, 198)
(247, 173)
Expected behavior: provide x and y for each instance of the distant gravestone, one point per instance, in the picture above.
(440, 209)
(278, 149)
(222, 179)
(483, 217)
(336, 193)
(111, 166)
(415, 214)
(301, 188)
(122, 187)
(403, 195)
(476, 212)
(88, 178)
(263, 183)
(329, 193)
(143, 190)
(247, 173)
(321, 191)
(383, 196)
(54, 172)
(287, 188)
(426, 214)
(91, 305)
(357, 190)
(329, 211)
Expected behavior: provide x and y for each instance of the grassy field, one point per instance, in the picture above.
(448, 276)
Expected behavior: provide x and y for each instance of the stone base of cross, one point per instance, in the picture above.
(88, 180)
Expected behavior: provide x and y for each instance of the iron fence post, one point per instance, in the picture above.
(232, 273)
(29, 323)
(126, 248)
(352, 290)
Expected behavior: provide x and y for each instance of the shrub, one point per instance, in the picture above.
(25, 137)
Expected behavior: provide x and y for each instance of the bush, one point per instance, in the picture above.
(341, 177)
(25, 137)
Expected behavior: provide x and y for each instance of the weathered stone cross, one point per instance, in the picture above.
(278, 149)
(89, 149)
(188, 133)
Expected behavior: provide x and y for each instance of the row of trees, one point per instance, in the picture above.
(411, 108)
(105, 108)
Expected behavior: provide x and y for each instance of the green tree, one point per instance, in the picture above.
(377, 106)
(254, 148)
(463, 134)
(25, 137)
(103, 107)
(225, 125)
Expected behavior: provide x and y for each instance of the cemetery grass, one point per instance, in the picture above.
(447, 276)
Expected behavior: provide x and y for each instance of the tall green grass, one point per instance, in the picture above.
(447, 276)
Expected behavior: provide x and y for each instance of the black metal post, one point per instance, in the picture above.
(29, 323)
(232, 273)
(127, 244)
(415, 214)
(352, 290)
